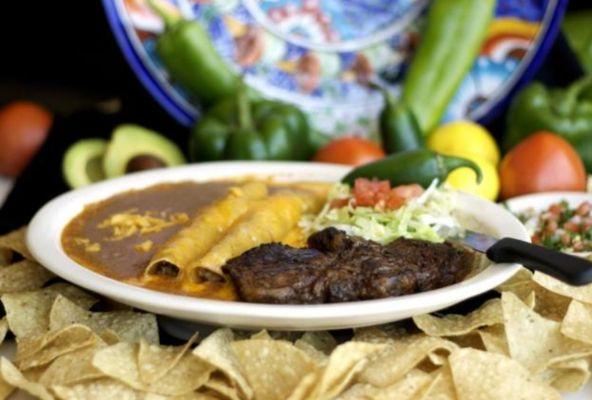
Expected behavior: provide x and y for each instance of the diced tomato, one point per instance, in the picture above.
(407, 191)
(556, 209)
(536, 239)
(369, 193)
(566, 239)
(584, 209)
(571, 227)
(395, 202)
(373, 193)
(551, 227)
(338, 203)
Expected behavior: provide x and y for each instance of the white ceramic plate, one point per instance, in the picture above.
(45, 230)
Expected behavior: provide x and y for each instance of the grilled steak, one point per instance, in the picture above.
(336, 267)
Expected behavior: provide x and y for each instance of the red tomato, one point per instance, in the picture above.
(350, 151)
(23, 128)
(542, 162)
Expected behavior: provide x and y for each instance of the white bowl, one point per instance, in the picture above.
(541, 201)
(43, 239)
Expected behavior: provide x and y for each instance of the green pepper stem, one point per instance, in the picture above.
(168, 18)
(572, 95)
(450, 163)
(245, 119)
(389, 100)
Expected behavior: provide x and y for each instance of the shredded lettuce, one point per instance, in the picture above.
(427, 217)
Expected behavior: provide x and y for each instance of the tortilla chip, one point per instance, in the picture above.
(12, 376)
(397, 360)
(318, 345)
(567, 376)
(23, 275)
(409, 387)
(547, 303)
(273, 368)
(3, 329)
(380, 334)
(128, 325)
(104, 389)
(27, 313)
(345, 362)
(580, 293)
(43, 349)
(535, 341)
(72, 368)
(220, 385)
(522, 276)
(304, 389)
(472, 339)
(15, 242)
(216, 350)
(441, 387)
(490, 313)
(494, 339)
(577, 323)
(120, 361)
(495, 377)
(322, 341)
(156, 361)
(261, 335)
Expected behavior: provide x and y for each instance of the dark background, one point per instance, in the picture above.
(63, 55)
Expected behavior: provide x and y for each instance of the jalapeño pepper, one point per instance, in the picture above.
(191, 59)
(566, 112)
(239, 128)
(399, 129)
(414, 166)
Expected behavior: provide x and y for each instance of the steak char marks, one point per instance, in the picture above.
(336, 268)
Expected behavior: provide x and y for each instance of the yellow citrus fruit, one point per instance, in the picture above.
(464, 139)
(465, 179)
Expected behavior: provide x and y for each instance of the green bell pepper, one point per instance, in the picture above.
(577, 26)
(239, 128)
(399, 129)
(566, 112)
(413, 166)
(451, 42)
(191, 59)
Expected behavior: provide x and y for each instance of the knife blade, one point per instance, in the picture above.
(568, 268)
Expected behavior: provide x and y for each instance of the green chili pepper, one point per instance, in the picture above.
(399, 128)
(239, 128)
(452, 40)
(191, 59)
(566, 112)
(414, 166)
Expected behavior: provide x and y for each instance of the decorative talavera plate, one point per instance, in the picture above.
(318, 54)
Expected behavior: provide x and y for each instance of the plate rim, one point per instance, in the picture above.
(50, 219)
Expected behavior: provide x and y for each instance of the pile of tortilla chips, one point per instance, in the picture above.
(530, 343)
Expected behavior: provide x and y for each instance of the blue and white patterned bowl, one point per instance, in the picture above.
(317, 54)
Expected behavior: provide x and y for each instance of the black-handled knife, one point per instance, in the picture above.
(570, 269)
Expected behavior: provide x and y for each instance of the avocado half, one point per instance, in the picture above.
(83, 162)
(133, 145)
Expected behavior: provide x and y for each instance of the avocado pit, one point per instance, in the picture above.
(143, 162)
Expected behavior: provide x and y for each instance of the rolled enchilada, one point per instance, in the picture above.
(269, 220)
(206, 229)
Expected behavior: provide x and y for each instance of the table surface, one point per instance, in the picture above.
(7, 348)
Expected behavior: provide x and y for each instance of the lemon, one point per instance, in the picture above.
(464, 139)
(465, 179)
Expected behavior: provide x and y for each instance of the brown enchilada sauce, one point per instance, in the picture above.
(150, 217)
